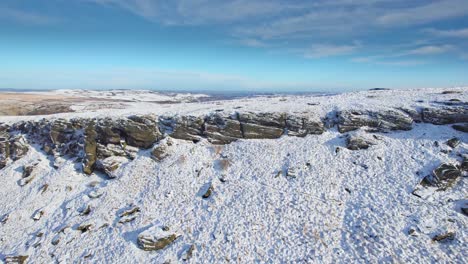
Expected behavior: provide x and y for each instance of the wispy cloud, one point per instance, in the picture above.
(451, 33)
(25, 17)
(430, 50)
(433, 11)
(329, 50)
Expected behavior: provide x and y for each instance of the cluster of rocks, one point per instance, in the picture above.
(104, 144)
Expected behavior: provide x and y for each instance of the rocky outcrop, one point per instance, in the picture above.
(12, 148)
(445, 115)
(262, 125)
(303, 125)
(381, 121)
(140, 131)
(156, 238)
(90, 148)
(223, 129)
(183, 127)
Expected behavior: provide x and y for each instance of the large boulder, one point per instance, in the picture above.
(461, 127)
(140, 131)
(156, 238)
(380, 120)
(108, 131)
(262, 125)
(19, 147)
(222, 128)
(183, 127)
(302, 125)
(445, 115)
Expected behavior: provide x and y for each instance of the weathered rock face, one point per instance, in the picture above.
(183, 127)
(90, 148)
(382, 121)
(4, 149)
(357, 142)
(262, 125)
(156, 238)
(301, 126)
(110, 165)
(222, 129)
(140, 131)
(443, 176)
(445, 115)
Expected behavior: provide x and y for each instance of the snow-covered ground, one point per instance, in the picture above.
(338, 206)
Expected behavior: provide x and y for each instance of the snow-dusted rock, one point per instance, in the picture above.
(445, 115)
(156, 238)
(183, 127)
(359, 141)
(303, 125)
(222, 128)
(378, 120)
(110, 165)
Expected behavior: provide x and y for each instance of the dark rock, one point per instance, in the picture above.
(262, 125)
(383, 120)
(90, 148)
(155, 239)
(18, 147)
(208, 192)
(108, 131)
(357, 142)
(110, 165)
(28, 169)
(464, 163)
(140, 131)
(461, 127)
(453, 142)
(446, 175)
(85, 227)
(301, 126)
(160, 151)
(183, 127)
(445, 237)
(16, 259)
(445, 115)
(451, 92)
(222, 129)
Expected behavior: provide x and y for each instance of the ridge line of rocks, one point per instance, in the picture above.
(97, 141)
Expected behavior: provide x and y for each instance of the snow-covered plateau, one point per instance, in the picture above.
(363, 177)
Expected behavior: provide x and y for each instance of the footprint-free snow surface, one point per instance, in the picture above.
(285, 200)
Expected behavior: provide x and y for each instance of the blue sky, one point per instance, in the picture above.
(324, 45)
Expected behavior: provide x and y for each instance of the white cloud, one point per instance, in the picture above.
(452, 33)
(327, 50)
(434, 11)
(430, 50)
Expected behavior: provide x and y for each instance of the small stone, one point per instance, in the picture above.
(291, 173)
(449, 236)
(37, 215)
(208, 192)
(84, 227)
(95, 194)
(454, 142)
(189, 253)
(15, 259)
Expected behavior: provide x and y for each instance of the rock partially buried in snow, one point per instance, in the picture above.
(445, 115)
(453, 142)
(156, 238)
(16, 259)
(445, 237)
(446, 175)
(461, 127)
(382, 121)
(110, 165)
(357, 142)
